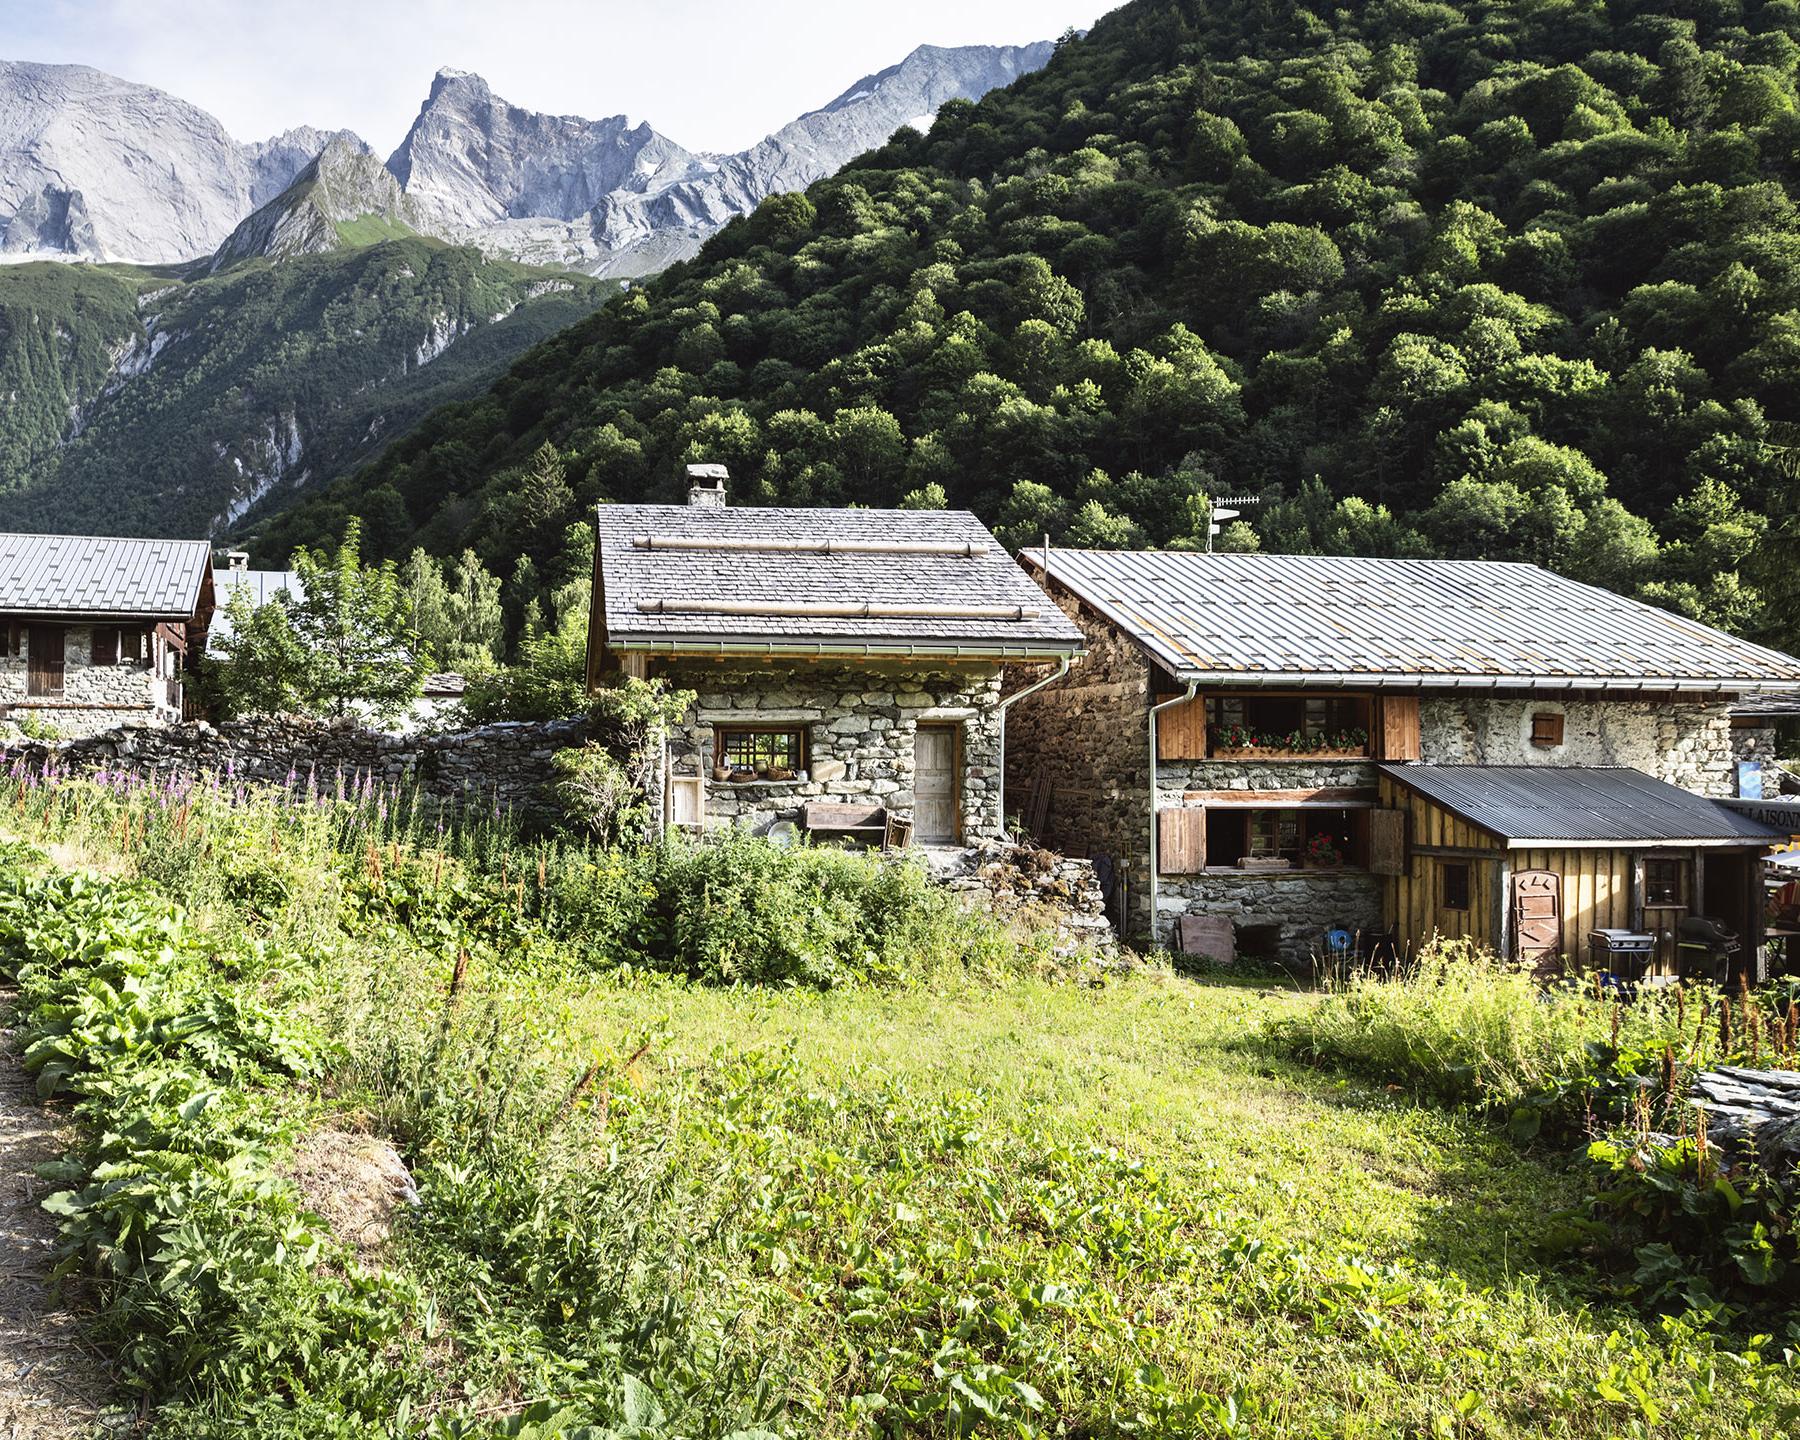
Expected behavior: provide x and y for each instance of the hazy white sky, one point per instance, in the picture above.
(710, 74)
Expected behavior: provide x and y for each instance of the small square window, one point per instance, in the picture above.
(1546, 730)
(1456, 885)
(759, 753)
(1662, 882)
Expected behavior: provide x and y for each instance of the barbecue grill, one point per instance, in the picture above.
(1704, 947)
(1625, 953)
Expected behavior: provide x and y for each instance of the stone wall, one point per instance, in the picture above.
(503, 766)
(1034, 891)
(1687, 743)
(1300, 904)
(860, 723)
(1086, 738)
(95, 698)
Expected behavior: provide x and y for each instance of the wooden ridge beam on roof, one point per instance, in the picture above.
(827, 610)
(730, 544)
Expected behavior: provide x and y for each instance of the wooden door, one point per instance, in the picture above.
(44, 673)
(936, 787)
(1537, 914)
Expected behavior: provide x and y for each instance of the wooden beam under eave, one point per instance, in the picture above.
(1337, 797)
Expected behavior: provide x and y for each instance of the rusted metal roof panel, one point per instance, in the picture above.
(1556, 803)
(1332, 620)
(101, 576)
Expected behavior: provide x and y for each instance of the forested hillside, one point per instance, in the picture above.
(149, 403)
(1480, 278)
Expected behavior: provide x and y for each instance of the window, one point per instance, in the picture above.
(1288, 724)
(1546, 730)
(1455, 884)
(1662, 882)
(1308, 839)
(752, 754)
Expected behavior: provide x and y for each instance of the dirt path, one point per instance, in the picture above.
(51, 1383)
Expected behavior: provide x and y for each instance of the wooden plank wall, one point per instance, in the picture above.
(1596, 891)
(1412, 899)
(1181, 731)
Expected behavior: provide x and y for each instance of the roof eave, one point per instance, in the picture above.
(1426, 680)
(170, 616)
(704, 645)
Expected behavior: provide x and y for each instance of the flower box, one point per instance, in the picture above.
(1259, 752)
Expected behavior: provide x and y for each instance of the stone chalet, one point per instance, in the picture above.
(95, 632)
(842, 659)
(1397, 748)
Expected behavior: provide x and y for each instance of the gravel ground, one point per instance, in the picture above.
(52, 1384)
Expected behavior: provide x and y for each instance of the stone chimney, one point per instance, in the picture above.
(706, 485)
(237, 560)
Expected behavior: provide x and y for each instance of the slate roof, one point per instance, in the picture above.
(1556, 803)
(89, 575)
(633, 576)
(1329, 620)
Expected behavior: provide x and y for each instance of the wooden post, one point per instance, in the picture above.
(1502, 907)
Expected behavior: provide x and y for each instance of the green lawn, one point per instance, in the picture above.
(1242, 1246)
(1020, 1207)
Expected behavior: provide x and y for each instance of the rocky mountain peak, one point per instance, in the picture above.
(344, 197)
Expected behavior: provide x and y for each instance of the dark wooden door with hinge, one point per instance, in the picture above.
(44, 665)
(1537, 915)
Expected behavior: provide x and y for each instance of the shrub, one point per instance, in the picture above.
(599, 795)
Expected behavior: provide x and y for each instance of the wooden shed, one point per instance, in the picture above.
(1531, 860)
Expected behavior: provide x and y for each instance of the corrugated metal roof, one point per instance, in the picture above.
(1311, 619)
(261, 586)
(633, 576)
(100, 575)
(1553, 803)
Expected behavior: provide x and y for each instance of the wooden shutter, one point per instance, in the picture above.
(1181, 841)
(131, 645)
(1181, 731)
(1387, 842)
(104, 648)
(1537, 914)
(1398, 727)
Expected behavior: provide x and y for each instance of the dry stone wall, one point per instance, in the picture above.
(1036, 891)
(504, 767)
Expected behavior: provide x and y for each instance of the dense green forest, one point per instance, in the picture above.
(151, 403)
(1472, 279)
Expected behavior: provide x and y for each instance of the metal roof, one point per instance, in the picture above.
(261, 586)
(638, 575)
(1331, 620)
(90, 575)
(1554, 804)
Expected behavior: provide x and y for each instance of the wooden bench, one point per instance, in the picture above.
(849, 824)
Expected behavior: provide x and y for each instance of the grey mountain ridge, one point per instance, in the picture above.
(95, 167)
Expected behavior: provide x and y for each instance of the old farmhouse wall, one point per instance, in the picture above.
(1085, 740)
(860, 725)
(1685, 742)
(94, 697)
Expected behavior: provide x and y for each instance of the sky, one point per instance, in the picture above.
(709, 74)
